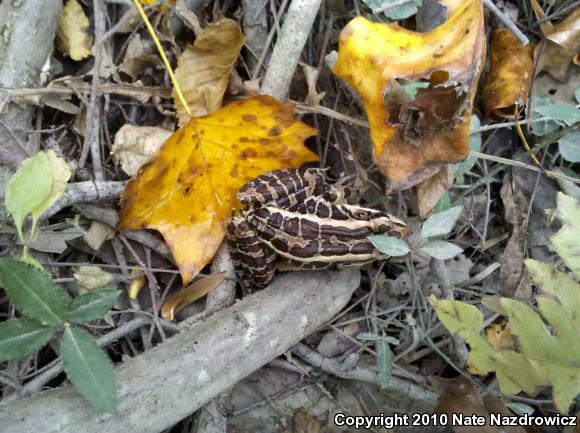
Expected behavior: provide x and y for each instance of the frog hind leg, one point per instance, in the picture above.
(252, 259)
(282, 187)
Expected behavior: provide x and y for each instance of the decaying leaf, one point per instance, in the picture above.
(560, 48)
(190, 294)
(204, 68)
(411, 131)
(460, 396)
(137, 59)
(90, 278)
(72, 36)
(189, 191)
(548, 349)
(567, 240)
(134, 146)
(98, 233)
(430, 190)
(509, 77)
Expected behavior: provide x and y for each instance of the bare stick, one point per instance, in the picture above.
(288, 48)
(86, 192)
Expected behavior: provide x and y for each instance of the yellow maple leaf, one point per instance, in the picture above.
(72, 36)
(189, 190)
(378, 60)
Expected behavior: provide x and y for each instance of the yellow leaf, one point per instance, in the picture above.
(72, 35)
(204, 68)
(190, 294)
(509, 77)
(189, 191)
(409, 131)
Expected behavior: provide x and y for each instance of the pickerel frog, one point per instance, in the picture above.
(293, 219)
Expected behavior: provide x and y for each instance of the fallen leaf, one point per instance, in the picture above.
(430, 190)
(410, 132)
(203, 69)
(189, 191)
(134, 146)
(459, 396)
(548, 349)
(512, 264)
(72, 36)
(54, 241)
(91, 278)
(560, 47)
(137, 59)
(509, 77)
(190, 294)
(98, 233)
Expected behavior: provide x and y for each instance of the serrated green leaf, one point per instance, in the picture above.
(441, 250)
(475, 145)
(28, 188)
(92, 306)
(570, 146)
(60, 174)
(389, 245)
(567, 241)
(384, 363)
(20, 337)
(33, 292)
(562, 112)
(441, 223)
(89, 369)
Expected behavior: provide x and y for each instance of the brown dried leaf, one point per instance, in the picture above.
(190, 294)
(510, 75)
(512, 264)
(430, 191)
(204, 68)
(72, 36)
(560, 47)
(134, 146)
(136, 59)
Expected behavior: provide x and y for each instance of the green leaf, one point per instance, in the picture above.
(543, 127)
(384, 363)
(92, 306)
(20, 337)
(28, 188)
(89, 369)
(577, 95)
(475, 145)
(567, 241)
(389, 245)
(563, 112)
(441, 223)
(33, 292)
(443, 204)
(398, 11)
(548, 349)
(570, 146)
(441, 250)
(60, 173)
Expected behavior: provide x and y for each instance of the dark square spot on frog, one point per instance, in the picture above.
(274, 132)
(291, 226)
(249, 118)
(280, 244)
(308, 250)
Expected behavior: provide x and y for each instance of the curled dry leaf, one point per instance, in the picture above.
(413, 128)
(134, 146)
(72, 36)
(560, 48)
(203, 69)
(189, 191)
(510, 75)
(190, 294)
(430, 190)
